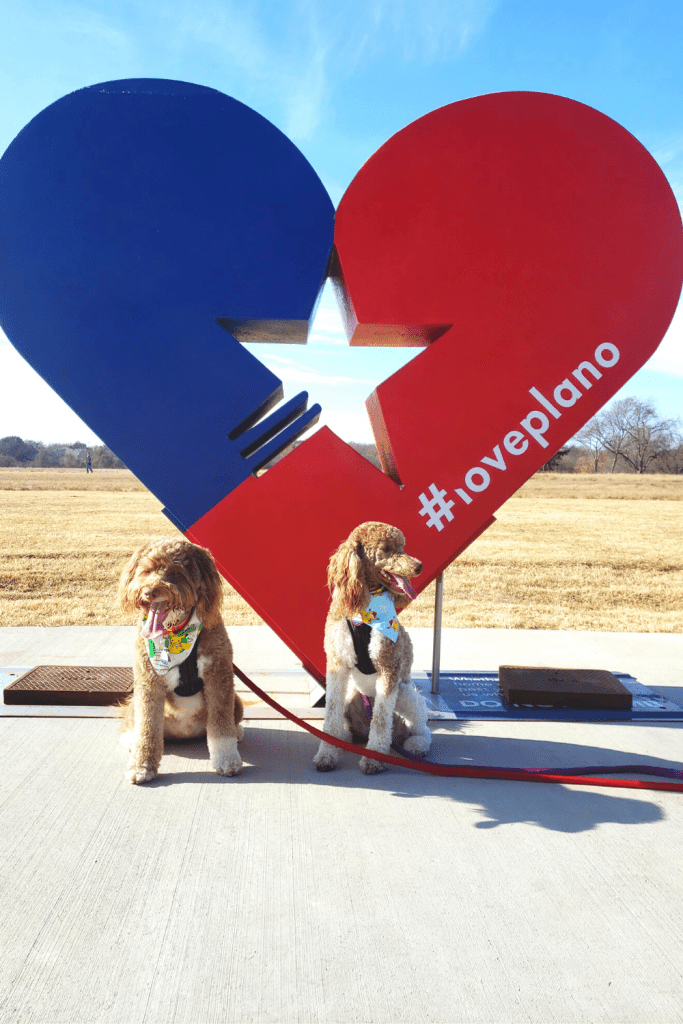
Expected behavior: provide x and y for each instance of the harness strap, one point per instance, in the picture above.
(360, 634)
(190, 681)
(571, 776)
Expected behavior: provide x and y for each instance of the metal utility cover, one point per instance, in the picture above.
(71, 685)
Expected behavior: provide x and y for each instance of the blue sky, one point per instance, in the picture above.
(340, 79)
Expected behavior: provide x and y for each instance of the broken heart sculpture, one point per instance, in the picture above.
(528, 242)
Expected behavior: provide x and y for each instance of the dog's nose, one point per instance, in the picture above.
(418, 568)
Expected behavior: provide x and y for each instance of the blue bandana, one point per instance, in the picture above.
(380, 614)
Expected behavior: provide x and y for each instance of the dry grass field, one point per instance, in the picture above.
(569, 551)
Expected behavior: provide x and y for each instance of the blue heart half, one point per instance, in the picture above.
(147, 228)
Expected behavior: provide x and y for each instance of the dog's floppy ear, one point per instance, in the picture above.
(125, 599)
(209, 589)
(346, 578)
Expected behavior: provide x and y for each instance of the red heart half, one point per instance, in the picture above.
(535, 247)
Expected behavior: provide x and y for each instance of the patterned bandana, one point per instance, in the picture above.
(168, 646)
(380, 614)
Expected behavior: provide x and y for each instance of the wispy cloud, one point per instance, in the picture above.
(91, 24)
(327, 328)
(425, 32)
(290, 53)
(276, 53)
(295, 371)
(669, 356)
(670, 150)
(350, 426)
(434, 30)
(63, 23)
(669, 156)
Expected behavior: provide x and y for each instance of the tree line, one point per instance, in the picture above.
(627, 437)
(14, 451)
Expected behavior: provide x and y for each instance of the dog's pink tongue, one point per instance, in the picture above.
(404, 585)
(154, 626)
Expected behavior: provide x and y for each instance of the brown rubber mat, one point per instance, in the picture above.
(563, 687)
(72, 685)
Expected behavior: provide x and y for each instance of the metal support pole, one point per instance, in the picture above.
(436, 654)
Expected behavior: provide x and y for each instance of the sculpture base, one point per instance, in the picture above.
(562, 687)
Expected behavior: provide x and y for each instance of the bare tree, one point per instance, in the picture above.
(616, 423)
(636, 433)
(590, 437)
(671, 461)
(630, 430)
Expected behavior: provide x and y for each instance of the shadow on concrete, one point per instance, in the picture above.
(285, 757)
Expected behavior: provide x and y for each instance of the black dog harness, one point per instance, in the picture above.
(360, 634)
(190, 681)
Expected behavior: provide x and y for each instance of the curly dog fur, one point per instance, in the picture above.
(371, 558)
(185, 576)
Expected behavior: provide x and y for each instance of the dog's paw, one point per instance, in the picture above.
(228, 766)
(418, 745)
(370, 767)
(325, 762)
(225, 758)
(240, 732)
(139, 774)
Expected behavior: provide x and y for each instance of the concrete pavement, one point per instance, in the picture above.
(284, 895)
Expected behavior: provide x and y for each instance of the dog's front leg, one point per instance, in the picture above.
(381, 724)
(221, 731)
(335, 693)
(412, 707)
(147, 744)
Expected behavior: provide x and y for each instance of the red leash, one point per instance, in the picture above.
(472, 772)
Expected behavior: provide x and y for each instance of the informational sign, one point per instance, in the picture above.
(147, 228)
